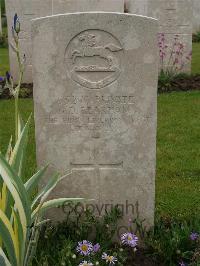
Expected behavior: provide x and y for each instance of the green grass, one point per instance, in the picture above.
(178, 153)
(178, 150)
(7, 129)
(196, 58)
(4, 61)
(4, 58)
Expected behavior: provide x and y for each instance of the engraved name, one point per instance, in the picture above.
(93, 112)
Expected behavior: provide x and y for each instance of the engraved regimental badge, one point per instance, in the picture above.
(94, 59)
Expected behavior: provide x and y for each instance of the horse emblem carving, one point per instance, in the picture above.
(95, 58)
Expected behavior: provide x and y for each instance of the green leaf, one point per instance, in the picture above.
(17, 156)
(8, 241)
(53, 204)
(22, 241)
(3, 259)
(9, 150)
(32, 183)
(18, 191)
(42, 223)
(43, 194)
(20, 125)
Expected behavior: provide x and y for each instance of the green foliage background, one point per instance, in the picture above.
(2, 4)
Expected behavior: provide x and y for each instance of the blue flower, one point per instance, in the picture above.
(1, 79)
(8, 76)
(16, 24)
(96, 247)
(194, 236)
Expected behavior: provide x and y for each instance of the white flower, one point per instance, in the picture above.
(85, 263)
(108, 258)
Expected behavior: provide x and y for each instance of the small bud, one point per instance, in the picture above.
(16, 24)
(24, 59)
(97, 263)
(8, 76)
(178, 252)
(74, 256)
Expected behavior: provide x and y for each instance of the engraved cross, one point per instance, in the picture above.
(96, 165)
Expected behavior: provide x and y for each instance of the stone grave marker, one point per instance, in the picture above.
(196, 16)
(26, 11)
(175, 18)
(95, 96)
(30, 9)
(71, 6)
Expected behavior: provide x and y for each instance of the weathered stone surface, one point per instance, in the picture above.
(95, 94)
(175, 18)
(70, 6)
(30, 9)
(26, 11)
(196, 15)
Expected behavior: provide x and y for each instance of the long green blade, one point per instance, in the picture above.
(8, 241)
(17, 156)
(9, 150)
(17, 189)
(43, 194)
(22, 241)
(32, 183)
(3, 259)
(54, 203)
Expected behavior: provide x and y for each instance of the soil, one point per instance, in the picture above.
(186, 83)
(140, 259)
(26, 91)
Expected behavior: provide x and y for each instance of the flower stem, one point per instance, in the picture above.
(17, 89)
(16, 117)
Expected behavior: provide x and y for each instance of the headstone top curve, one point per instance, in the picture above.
(95, 13)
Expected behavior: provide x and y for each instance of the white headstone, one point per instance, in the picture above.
(71, 6)
(26, 11)
(175, 18)
(196, 16)
(95, 94)
(30, 9)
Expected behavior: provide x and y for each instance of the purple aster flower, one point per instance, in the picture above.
(194, 236)
(84, 248)
(109, 259)
(129, 239)
(1, 79)
(96, 247)
(85, 263)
